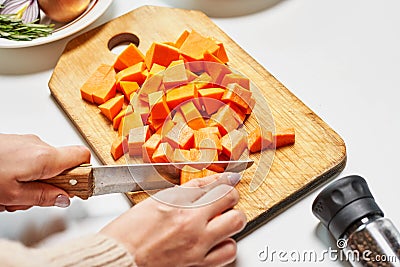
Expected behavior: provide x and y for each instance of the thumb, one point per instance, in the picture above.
(45, 195)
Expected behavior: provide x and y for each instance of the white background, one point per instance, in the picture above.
(341, 58)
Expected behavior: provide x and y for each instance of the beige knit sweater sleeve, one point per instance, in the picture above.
(94, 250)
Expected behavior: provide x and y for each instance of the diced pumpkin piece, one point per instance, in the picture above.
(158, 105)
(251, 106)
(233, 144)
(179, 95)
(118, 147)
(221, 53)
(163, 153)
(192, 116)
(180, 136)
(141, 107)
(239, 113)
(284, 137)
(95, 82)
(137, 137)
(175, 75)
(189, 173)
(202, 81)
(178, 117)
(236, 78)
(161, 54)
(206, 140)
(211, 58)
(216, 71)
(112, 107)
(211, 130)
(156, 69)
(195, 154)
(237, 95)
(133, 73)
(224, 119)
(151, 85)
(106, 90)
(191, 76)
(127, 88)
(195, 45)
(117, 119)
(181, 39)
(150, 146)
(167, 125)
(129, 57)
(130, 121)
(210, 99)
(181, 155)
(259, 139)
(208, 155)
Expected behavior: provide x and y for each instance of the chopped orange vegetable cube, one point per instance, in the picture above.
(211, 130)
(133, 73)
(95, 82)
(180, 136)
(284, 137)
(236, 78)
(112, 107)
(158, 105)
(259, 139)
(137, 137)
(195, 45)
(161, 54)
(163, 153)
(206, 140)
(181, 155)
(181, 39)
(150, 146)
(189, 173)
(130, 121)
(192, 115)
(224, 119)
(233, 144)
(175, 75)
(216, 71)
(128, 88)
(129, 57)
(179, 95)
(120, 115)
(119, 147)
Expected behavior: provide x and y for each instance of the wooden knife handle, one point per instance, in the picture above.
(76, 182)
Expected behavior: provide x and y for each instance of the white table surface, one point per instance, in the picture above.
(341, 58)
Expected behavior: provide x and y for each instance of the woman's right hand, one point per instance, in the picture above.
(159, 234)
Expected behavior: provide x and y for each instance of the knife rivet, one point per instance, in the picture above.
(73, 182)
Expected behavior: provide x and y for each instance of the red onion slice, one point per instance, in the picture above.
(31, 13)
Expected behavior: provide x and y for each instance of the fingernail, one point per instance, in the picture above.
(62, 201)
(234, 178)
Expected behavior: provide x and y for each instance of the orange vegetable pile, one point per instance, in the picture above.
(179, 102)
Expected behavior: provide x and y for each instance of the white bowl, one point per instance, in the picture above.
(224, 8)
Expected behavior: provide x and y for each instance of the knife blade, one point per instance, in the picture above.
(85, 181)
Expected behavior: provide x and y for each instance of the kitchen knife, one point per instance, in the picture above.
(85, 181)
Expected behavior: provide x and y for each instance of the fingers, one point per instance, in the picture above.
(64, 158)
(222, 254)
(191, 191)
(18, 207)
(225, 226)
(41, 194)
(218, 200)
(2, 208)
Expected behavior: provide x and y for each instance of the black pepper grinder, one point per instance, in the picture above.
(348, 209)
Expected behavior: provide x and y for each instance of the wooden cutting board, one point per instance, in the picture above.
(319, 152)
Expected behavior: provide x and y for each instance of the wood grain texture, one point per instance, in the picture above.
(319, 152)
(76, 182)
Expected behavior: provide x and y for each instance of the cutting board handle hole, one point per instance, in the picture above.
(119, 42)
